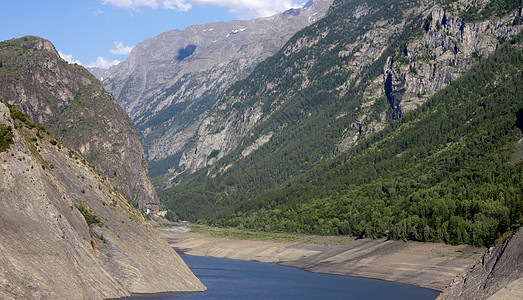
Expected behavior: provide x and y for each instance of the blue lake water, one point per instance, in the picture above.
(233, 279)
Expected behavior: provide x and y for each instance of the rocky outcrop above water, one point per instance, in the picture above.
(67, 233)
(73, 105)
(497, 275)
(170, 82)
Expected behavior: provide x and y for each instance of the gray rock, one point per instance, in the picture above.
(448, 49)
(498, 274)
(49, 251)
(73, 105)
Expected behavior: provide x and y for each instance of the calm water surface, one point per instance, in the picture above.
(233, 279)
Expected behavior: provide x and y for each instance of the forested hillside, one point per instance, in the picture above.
(343, 131)
(442, 173)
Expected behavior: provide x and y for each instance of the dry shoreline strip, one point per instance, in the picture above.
(428, 265)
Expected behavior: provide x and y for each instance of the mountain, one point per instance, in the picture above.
(326, 62)
(170, 82)
(100, 73)
(336, 132)
(66, 231)
(73, 105)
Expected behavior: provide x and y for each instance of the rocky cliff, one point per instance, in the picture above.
(447, 48)
(170, 82)
(67, 233)
(73, 105)
(498, 274)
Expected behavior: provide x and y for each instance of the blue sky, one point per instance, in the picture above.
(102, 32)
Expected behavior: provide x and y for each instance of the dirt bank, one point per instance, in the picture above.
(429, 265)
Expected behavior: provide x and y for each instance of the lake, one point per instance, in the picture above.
(233, 279)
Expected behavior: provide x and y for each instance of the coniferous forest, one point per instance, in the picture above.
(443, 173)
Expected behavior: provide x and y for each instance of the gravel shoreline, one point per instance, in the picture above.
(428, 265)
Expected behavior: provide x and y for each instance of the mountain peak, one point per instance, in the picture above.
(32, 43)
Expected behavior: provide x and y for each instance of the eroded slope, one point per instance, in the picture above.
(67, 232)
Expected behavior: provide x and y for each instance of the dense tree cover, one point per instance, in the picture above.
(308, 123)
(480, 11)
(441, 173)
(6, 137)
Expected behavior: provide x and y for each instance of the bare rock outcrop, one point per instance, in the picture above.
(67, 233)
(497, 275)
(73, 105)
(448, 48)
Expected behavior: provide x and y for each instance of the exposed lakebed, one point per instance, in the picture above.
(232, 279)
(428, 265)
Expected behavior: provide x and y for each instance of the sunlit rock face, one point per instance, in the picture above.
(498, 274)
(67, 233)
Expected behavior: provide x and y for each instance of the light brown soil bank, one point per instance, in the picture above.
(429, 265)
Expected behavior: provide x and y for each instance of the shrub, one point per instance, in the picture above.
(89, 215)
(6, 137)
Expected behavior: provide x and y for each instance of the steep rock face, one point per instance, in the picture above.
(498, 275)
(51, 250)
(448, 48)
(73, 105)
(169, 82)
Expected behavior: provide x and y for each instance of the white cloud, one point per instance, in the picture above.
(177, 4)
(242, 8)
(121, 49)
(68, 58)
(181, 5)
(253, 8)
(103, 63)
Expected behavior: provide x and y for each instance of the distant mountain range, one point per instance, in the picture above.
(170, 82)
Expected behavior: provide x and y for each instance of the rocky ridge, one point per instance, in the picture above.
(170, 82)
(73, 105)
(67, 233)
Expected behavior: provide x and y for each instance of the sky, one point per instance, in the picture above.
(101, 33)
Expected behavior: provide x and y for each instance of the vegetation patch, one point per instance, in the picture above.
(244, 234)
(18, 115)
(6, 137)
(89, 215)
